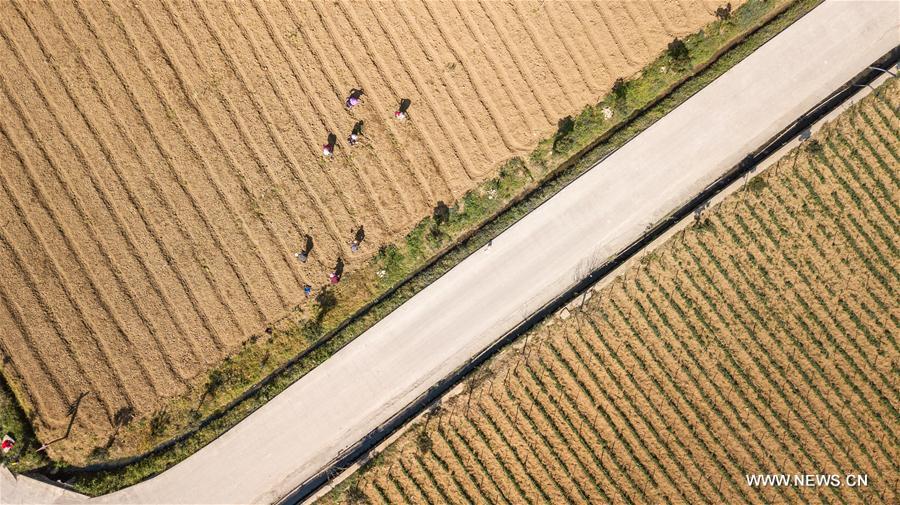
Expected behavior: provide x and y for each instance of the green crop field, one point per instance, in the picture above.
(762, 340)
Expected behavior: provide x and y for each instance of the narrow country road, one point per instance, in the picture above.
(298, 433)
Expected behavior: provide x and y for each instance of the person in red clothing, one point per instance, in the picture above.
(335, 276)
(401, 113)
(328, 147)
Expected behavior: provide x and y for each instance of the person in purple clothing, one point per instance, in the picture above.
(354, 99)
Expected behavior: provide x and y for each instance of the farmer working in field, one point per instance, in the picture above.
(354, 99)
(358, 237)
(355, 133)
(335, 276)
(400, 114)
(303, 254)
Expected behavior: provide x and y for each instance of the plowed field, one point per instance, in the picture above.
(160, 162)
(761, 341)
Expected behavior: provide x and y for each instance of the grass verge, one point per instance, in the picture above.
(14, 423)
(269, 363)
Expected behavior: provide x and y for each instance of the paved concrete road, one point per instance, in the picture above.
(337, 404)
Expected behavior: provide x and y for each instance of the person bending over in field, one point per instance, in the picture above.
(335, 276)
(358, 237)
(354, 135)
(401, 114)
(303, 255)
(328, 147)
(354, 99)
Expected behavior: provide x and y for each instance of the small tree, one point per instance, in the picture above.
(563, 139)
(123, 417)
(619, 89)
(215, 382)
(159, 422)
(814, 147)
(327, 301)
(678, 51)
(423, 441)
(724, 12)
(356, 496)
(441, 213)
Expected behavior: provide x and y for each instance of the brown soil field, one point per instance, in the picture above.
(761, 340)
(160, 163)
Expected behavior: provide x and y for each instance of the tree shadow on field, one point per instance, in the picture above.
(562, 139)
(327, 301)
(123, 417)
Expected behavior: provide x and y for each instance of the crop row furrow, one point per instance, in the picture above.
(570, 361)
(181, 338)
(792, 332)
(764, 370)
(133, 184)
(241, 252)
(766, 332)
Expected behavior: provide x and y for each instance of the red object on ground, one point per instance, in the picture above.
(334, 278)
(7, 444)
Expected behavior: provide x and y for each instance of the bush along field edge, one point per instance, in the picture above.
(268, 363)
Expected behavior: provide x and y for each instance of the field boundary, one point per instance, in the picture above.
(746, 166)
(551, 183)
